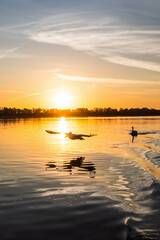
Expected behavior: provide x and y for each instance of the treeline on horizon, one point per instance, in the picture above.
(78, 112)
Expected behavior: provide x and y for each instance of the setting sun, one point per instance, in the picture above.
(62, 100)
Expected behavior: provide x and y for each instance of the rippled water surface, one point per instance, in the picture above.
(103, 187)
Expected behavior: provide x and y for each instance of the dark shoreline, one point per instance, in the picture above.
(76, 113)
(35, 117)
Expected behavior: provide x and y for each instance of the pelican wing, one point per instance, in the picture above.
(51, 132)
(85, 135)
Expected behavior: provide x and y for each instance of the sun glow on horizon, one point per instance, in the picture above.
(62, 100)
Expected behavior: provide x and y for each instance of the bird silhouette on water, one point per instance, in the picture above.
(72, 136)
(133, 132)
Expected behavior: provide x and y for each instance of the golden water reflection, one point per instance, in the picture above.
(62, 128)
(113, 165)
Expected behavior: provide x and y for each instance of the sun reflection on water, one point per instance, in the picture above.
(62, 128)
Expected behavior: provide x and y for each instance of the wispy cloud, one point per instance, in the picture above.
(104, 80)
(5, 53)
(135, 63)
(40, 93)
(13, 91)
(106, 37)
(128, 36)
(27, 95)
(17, 26)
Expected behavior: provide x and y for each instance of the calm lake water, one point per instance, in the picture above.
(112, 192)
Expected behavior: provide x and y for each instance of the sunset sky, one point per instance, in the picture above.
(93, 53)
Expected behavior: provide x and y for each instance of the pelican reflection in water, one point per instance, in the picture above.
(76, 162)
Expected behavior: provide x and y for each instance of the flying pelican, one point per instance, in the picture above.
(72, 136)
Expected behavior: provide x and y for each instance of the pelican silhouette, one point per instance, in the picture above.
(72, 136)
(133, 132)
